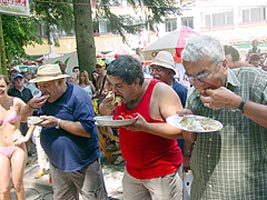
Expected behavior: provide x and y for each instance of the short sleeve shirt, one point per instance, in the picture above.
(232, 163)
(66, 151)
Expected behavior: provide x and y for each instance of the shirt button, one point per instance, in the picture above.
(208, 171)
(210, 186)
(210, 139)
(208, 155)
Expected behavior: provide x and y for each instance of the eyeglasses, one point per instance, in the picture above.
(201, 77)
(155, 69)
(204, 76)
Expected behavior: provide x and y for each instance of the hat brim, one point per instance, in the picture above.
(48, 78)
(164, 65)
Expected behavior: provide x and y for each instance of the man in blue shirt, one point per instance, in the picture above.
(69, 136)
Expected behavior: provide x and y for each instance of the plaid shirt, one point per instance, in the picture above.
(232, 163)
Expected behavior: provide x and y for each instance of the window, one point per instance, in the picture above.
(253, 14)
(219, 19)
(171, 24)
(188, 21)
(103, 26)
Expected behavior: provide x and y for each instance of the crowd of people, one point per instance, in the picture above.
(211, 81)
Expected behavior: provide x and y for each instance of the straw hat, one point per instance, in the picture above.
(164, 59)
(48, 72)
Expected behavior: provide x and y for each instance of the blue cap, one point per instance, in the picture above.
(18, 76)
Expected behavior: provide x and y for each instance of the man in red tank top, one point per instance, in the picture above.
(149, 145)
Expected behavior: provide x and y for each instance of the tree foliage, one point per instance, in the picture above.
(54, 15)
(156, 10)
(18, 32)
(59, 15)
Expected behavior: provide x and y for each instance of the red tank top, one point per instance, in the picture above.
(148, 156)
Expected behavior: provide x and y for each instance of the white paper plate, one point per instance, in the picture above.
(195, 123)
(108, 121)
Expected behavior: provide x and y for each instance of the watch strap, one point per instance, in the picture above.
(241, 105)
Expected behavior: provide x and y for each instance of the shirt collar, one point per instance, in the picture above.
(232, 81)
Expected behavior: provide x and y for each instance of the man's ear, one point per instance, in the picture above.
(224, 64)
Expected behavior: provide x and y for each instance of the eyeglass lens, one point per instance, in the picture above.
(154, 69)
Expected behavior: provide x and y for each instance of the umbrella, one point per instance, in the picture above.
(174, 42)
(123, 50)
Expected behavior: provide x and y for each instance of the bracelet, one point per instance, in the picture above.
(241, 105)
(58, 124)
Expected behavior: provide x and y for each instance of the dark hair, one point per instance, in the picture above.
(76, 67)
(5, 78)
(127, 68)
(233, 52)
(92, 77)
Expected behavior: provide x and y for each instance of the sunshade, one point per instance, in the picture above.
(174, 42)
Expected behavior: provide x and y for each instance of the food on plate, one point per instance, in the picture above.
(124, 116)
(194, 123)
(34, 120)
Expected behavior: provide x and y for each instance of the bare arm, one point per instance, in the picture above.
(27, 109)
(20, 140)
(256, 112)
(164, 103)
(75, 128)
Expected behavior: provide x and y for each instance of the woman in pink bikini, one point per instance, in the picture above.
(12, 157)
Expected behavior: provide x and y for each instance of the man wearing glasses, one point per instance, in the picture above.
(162, 68)
(230, 163)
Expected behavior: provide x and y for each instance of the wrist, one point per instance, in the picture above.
(242, 105)
(58, 124)
(188, 154)
(30, 106)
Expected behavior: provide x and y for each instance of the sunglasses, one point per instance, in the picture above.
(98, 67)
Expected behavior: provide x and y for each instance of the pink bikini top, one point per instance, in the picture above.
(11, 118)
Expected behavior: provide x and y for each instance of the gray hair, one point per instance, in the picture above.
(201, 46)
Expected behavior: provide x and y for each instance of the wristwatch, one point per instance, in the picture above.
(188, 154)
(241, 105)
(58, 124)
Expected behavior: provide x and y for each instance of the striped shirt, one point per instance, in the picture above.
(232, 163)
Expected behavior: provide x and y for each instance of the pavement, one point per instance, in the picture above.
(40, 189)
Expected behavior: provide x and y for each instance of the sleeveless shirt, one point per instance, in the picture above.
(148, 156)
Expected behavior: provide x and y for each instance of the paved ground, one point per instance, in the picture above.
(40, 189)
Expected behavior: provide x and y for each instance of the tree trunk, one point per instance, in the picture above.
(3, 69)
(84, 34)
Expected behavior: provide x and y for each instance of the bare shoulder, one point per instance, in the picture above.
(17, 102)
(164, 89)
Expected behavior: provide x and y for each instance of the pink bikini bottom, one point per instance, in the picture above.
(8, 151)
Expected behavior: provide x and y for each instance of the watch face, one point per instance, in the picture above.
(188, 153)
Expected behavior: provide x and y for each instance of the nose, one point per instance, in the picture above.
(197, 83)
